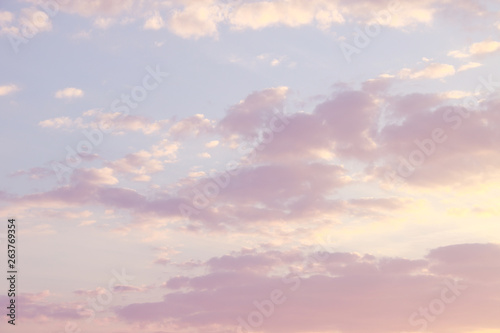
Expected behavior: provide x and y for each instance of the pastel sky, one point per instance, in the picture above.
(298, 166)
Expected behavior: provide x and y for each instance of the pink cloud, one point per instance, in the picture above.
(385, 292)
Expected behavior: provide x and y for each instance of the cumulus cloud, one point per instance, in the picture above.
(140, 164)
(331, 291)
(479, 48)
(191, 126)
(8, 89)
(469, 65)
(115, 122)
(212, 144)
(246, 117)
(6, 17)
(432, 71)
(197, 20)
(69, 93)
(155, 22)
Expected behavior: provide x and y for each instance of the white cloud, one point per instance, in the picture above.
(103, 22)
(196, 20)
(275, 62)
(468, 66)
(6, 17)
(88, 222)
(37, 19)
(484, 47)
(82, 34)
(479, 48)
(61, 122)
(458, 54)
(456, 94)
(8, 89)
(212, 144)
(204, 155)
(155, 22)
(196, 174)
(432, 71)
(69, 93)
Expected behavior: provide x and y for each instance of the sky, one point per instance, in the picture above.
(299, 166)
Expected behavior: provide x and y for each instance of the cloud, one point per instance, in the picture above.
(140, 164)
(246, 117)
(34, 173)
(155, 22)
(469, 65)
(458, 54)
(96, 118)
(103, 176)
(192, 126)
(6, 17)
(61, 122)
(8, 89)
(330, 291)
(484, 47)
(196, 20)
(212, 144)
(69, 93)
(432, 71)
(103, 22)
(476, 49)
(39, 20)
(204, 155)
(262, 14)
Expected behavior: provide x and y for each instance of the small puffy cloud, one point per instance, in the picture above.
(82, 35)
(247, 117)
(196, 20)
(140, 165)
(469, 65)
(60, 122)
(6, 17)
(35, 18)
(258, 15)
(192, 126)
(103, 22)
(212, 144)
(102, 176)
(86, 223)
(432, 71)
(69, 93)
(155, 22)
(166, 149)
(479, 48)
(196, 174)
(484, 47)
(204, 155)
(116, 122)
(455, 94)
(275, 62)
(458, 54)
(8, 89)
